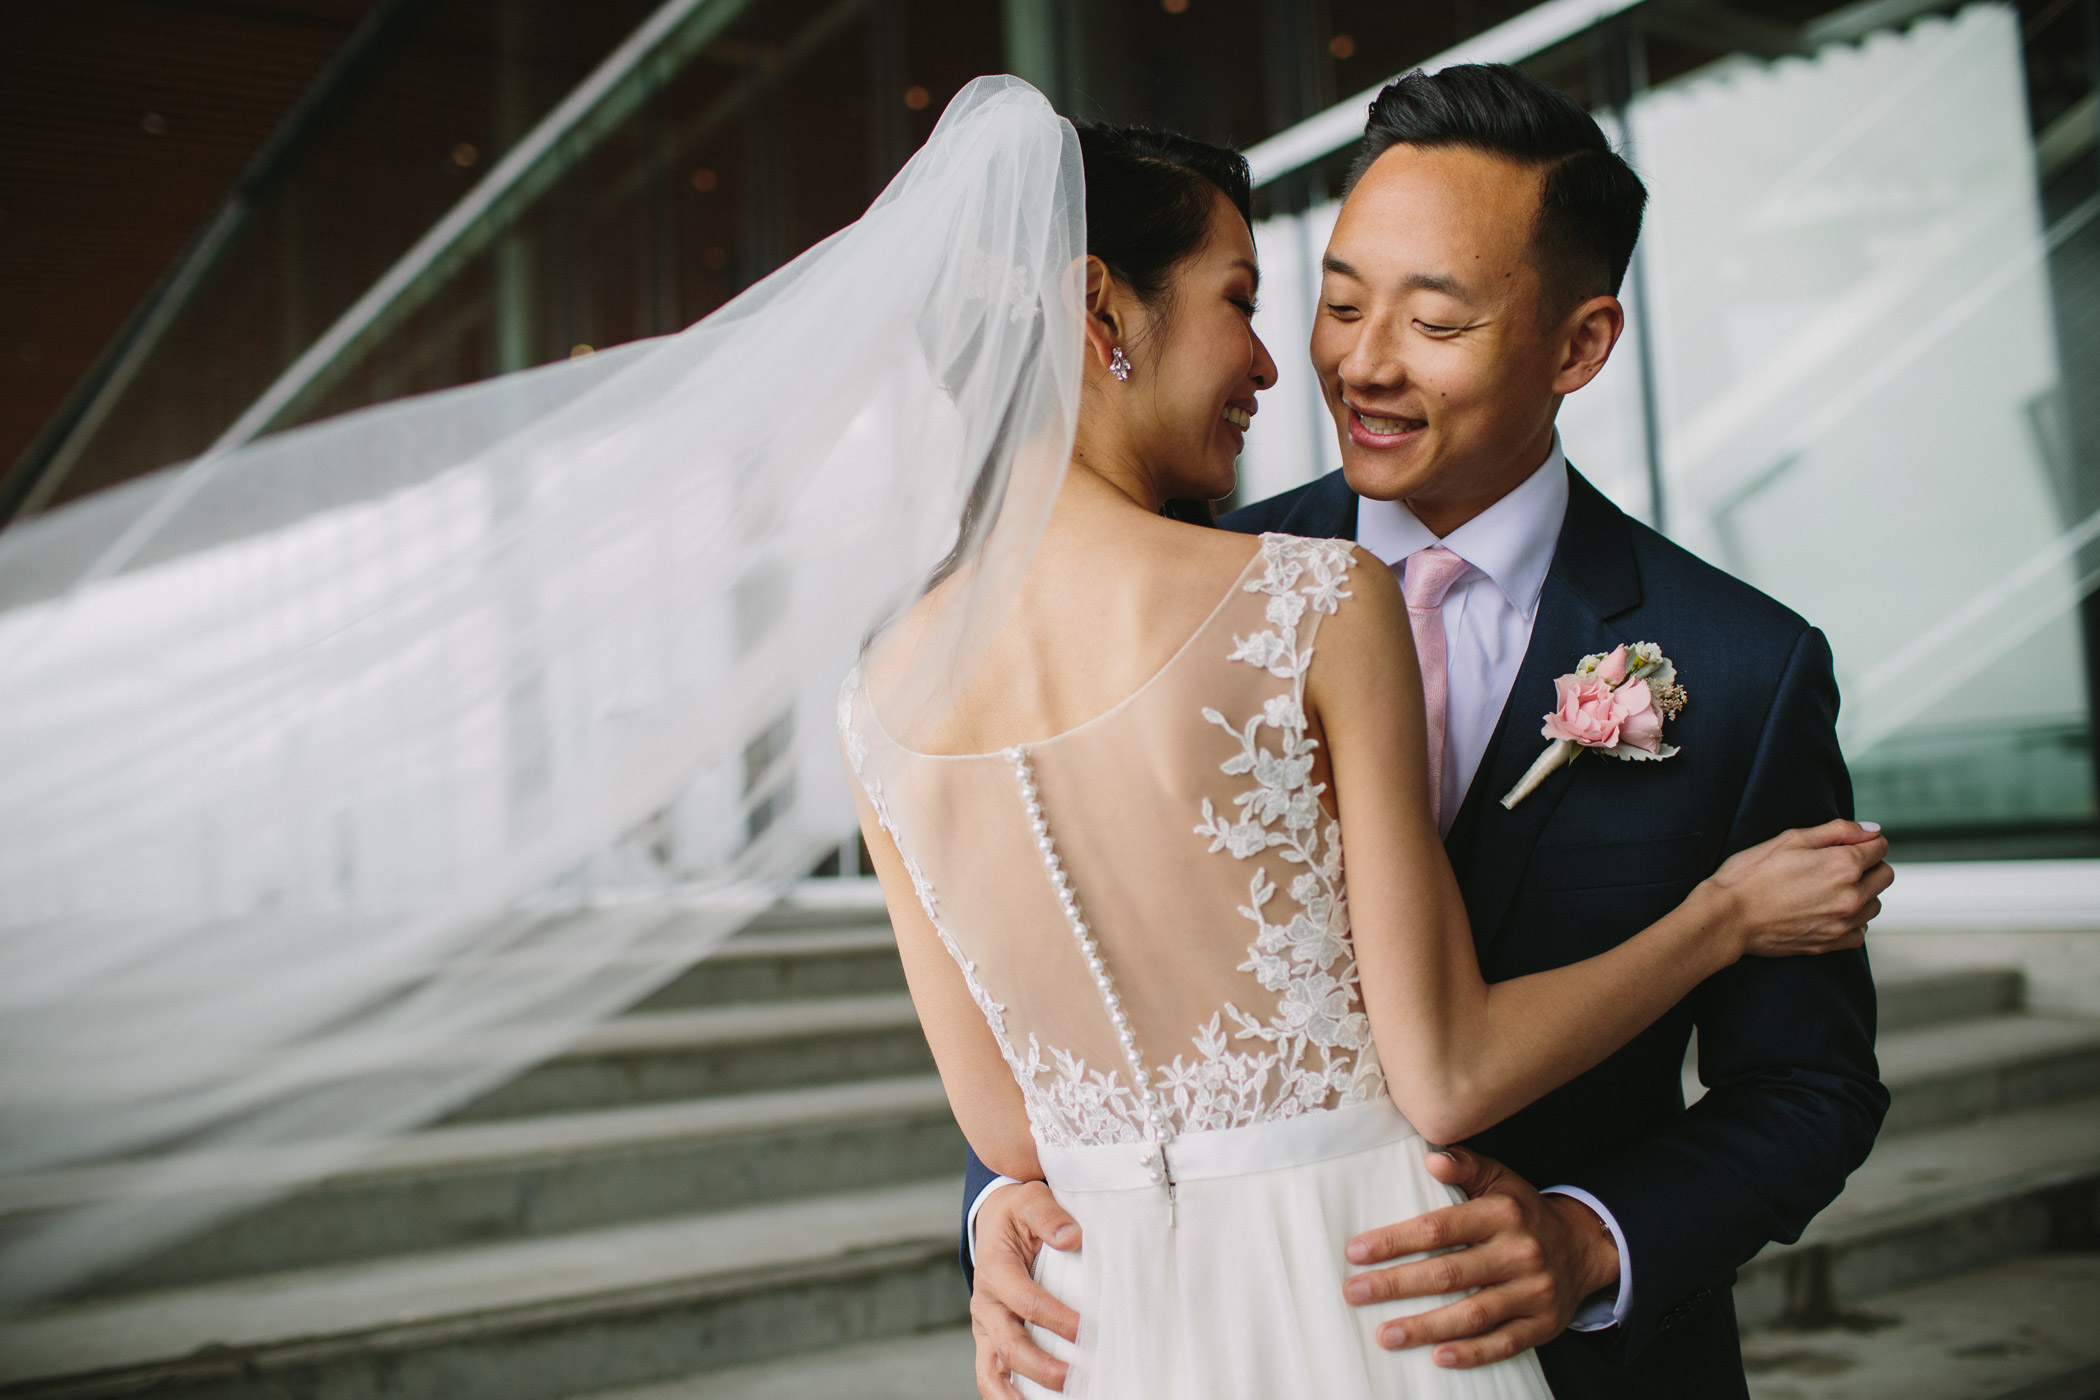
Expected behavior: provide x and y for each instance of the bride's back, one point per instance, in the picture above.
(1121, 835)
(1110, 597)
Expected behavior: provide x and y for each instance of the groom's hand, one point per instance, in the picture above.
(1533, 1259)
(1012, 1225)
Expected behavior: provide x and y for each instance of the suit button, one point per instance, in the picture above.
(1682, 1313)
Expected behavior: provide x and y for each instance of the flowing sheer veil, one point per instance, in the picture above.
(344, 774)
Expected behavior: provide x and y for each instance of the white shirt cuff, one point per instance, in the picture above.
(970, 1218)
(1599, 1310)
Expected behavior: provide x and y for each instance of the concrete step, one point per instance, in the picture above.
(1911, 999)
(924, 1366)
(789, 966)
(800, 963)
(2081, 1384)
(824, 904)
(1934, 1202)
(2021, 1330)
(1957, 1071)
(657, 1056)
(527, 1178)
(2035, 1342)
(534, 1320)
(1965, 1070)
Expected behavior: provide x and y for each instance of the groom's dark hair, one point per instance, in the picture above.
(1590, 202)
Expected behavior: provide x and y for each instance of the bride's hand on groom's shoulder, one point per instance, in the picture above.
(1807, 891)
(1013, 1224)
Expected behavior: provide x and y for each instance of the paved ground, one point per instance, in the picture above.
(1977, 1336)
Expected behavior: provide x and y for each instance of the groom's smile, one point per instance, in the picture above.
(1382, 431)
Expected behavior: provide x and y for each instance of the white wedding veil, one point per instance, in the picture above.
(344, 774)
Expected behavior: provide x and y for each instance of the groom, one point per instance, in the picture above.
(1469, 285)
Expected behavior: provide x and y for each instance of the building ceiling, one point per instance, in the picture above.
(122, 124)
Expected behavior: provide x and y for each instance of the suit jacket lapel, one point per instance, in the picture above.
(1593, 579)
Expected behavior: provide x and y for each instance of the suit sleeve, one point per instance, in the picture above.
(976, 1176)
(1786, 1049)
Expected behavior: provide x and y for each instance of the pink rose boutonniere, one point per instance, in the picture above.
(1615, 704)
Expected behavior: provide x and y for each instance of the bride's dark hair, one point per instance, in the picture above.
(1148, 200)
(1148, 203)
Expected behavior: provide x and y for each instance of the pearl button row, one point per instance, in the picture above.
(1031, 800)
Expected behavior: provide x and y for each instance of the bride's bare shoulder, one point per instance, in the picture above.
(1149, 565)
(1218, 551)
(1167, 572)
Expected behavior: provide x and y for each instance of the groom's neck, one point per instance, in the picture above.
(1464, 491)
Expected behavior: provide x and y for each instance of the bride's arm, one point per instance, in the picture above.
(981, 1089)
(1459, 1054)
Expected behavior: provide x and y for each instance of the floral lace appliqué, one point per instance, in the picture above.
(1316, 1050)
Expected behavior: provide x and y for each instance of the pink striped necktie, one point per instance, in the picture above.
(1428, 576)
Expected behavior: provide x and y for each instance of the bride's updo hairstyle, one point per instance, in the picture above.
(1148, 201)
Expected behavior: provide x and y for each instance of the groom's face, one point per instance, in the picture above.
(1430, 342)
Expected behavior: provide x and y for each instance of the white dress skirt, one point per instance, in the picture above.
(1232, 1290)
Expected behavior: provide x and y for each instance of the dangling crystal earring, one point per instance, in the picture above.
(1119, 365)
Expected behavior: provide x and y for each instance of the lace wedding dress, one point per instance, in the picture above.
(1150, 910)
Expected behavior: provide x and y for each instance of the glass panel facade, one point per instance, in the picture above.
(1864, 371)
(1865, 302)
(1859, 383)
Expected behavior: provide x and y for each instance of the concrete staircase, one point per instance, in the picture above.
(748, 1186)
(1991, 1151)
(1962, 1261)
(756, 1161)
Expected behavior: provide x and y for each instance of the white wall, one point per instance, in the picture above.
(1293, 439)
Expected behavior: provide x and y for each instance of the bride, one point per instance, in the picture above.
(1115, 866)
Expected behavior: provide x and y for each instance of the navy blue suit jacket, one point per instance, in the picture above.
(1602, 850)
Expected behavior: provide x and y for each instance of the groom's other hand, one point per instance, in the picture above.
(1015, 1222)
(1533, 1258)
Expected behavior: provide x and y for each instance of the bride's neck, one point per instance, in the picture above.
(1091, 496)
(1112, 465)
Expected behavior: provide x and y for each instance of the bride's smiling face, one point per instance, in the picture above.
(1178, 423)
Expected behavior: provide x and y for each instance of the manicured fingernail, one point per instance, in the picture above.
(1359, 1252)
(1871, 826)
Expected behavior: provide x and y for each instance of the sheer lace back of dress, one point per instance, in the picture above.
(1150, 908)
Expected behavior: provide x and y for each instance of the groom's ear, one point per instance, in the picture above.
(1584, 342)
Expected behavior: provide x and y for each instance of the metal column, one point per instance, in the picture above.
(515, 309)
(888, 142)
(1619, 72)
